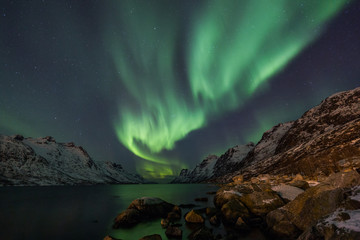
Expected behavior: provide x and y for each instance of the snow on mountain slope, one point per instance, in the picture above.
(213, 166)
(325, 139)
(201, 172)
(43, 161)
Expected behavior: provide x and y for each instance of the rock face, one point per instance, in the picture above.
(213, 166)
(313, 204)
(43, 161)
(325, 139)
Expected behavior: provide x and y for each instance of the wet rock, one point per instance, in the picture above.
(143, 209)
(260, 203)
(232, 210)
(128, 218)
(151, 207)
(203, 233)
(173, 232)
(151, 237)
(193, 217)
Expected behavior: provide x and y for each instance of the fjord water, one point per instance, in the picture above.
(87, 212)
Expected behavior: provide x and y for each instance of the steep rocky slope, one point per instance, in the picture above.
(324, 140)
(213, 166)
(43, 161)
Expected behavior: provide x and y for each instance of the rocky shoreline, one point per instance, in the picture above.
(280, 206)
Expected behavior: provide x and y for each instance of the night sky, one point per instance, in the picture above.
(159, 85)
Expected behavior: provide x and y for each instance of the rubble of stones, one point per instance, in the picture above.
(282, 207)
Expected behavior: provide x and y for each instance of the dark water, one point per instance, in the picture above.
(87, 212)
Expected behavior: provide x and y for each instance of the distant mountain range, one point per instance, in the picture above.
(43, 161)
(323, 140)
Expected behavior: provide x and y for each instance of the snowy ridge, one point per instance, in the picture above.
(213, 166)
(43, 161)
(325, 139)
(201, 172)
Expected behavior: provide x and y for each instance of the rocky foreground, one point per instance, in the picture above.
(281, 206)
(43, 161)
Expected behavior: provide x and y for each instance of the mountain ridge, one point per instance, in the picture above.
(43, 161)
(325, 139)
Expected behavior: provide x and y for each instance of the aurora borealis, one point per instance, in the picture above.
(157, 85)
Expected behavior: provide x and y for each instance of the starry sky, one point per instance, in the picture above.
(158, 85)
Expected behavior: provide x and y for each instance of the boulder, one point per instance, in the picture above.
(151, 237)
(128, 218)
(343, 179)
(232, 210)
(173, 232)
(193, 217)
(151, 207)
(223, 196)
(260, 203)
(306, 209)
(203, 233)
(143, 209)
(287, 192)
(342, 224)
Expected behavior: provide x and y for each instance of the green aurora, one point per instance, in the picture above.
(228, 49)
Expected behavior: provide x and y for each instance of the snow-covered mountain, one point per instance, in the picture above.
(201, 172)
(213, 166)
(43, 161)
(324, 140)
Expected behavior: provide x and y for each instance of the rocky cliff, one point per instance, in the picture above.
(323, 140)
(43, 161)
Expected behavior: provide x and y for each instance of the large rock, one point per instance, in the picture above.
(128, 218)
(310, 206)
(339, 225)
(193, 217)
(142, 209)
(232, 210)
(260, 203)
(151, 207)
